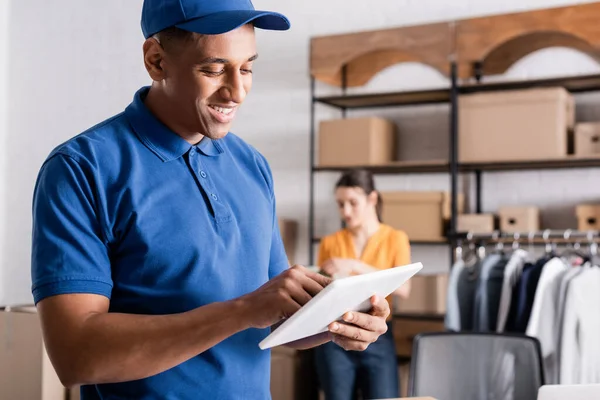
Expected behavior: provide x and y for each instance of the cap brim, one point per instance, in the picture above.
(225, 21)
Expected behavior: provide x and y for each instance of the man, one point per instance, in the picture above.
(157, 263)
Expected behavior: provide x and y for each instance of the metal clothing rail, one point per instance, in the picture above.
(546, 235)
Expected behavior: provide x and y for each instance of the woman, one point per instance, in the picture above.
(364, 245)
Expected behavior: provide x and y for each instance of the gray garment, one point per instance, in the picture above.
(489, 289)
(512, 273)
(462, 284)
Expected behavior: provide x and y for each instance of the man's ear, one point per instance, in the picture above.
(153, 59)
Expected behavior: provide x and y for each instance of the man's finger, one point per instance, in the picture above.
(320, 279)
(366, 321)
(381, 308)
(289, 307)
(349, 344)
(353, 332)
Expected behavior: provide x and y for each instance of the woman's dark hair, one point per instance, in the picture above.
(363, 179)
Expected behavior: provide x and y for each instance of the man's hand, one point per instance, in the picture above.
(282, 296)
(361, 329)
(340, 267)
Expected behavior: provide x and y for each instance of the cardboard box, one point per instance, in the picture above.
(284, 365)
(356, 142)
(531, 124)
(427, 295)
(406, 329)
(587, 139)
(25, 369)
(476, 223)
(404, 377)
(289, 234)
(422, 215)
(588, 217)
(519, 219)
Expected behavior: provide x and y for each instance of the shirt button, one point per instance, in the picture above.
(203, 174)
(192, 152)
(214, 196)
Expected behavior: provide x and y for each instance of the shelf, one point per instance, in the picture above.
(565, 163)
(574, 84)
(441, 241)
(406, 167)
(425, 167)
(433, 96)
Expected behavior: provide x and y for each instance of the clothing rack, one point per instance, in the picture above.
(547, 235)
(549, 238)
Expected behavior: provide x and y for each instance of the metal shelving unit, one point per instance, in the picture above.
(449, 95)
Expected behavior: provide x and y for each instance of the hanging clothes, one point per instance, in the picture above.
(580, 346)
(512, 274)
(489, 289)
(462, 285)
(558, 328)
(525, 295)
(544, 314)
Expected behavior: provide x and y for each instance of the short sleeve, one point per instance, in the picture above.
(69, 252)
(402, 247)
(278, 259)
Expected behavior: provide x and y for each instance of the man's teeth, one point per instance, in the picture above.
(223, 110)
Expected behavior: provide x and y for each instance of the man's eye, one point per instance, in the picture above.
(213, 73)
(246, 71)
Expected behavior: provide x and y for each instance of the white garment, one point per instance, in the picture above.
(512, 273)
(562, 295)
(544, 312)
(580, 352)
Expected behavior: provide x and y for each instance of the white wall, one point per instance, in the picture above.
(74, 63)
(4, 38)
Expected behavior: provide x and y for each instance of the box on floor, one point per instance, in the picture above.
(427, 295)
(406, 329)
(284, 367)
(515, 125)
(289, 234)
(25, 369)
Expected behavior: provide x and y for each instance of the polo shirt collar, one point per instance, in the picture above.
(162, 141)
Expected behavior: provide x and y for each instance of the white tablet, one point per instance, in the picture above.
(339, 297)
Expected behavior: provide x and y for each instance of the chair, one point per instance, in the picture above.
(571, 392)
(475, 366)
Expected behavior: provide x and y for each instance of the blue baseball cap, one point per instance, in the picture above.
(208, 17)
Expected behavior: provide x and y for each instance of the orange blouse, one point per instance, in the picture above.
(387, 248)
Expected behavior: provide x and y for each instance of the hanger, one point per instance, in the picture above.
(593, 248)
(499, 243)
(550, 247)
(531, 249)
(515, 244)
(572, 253)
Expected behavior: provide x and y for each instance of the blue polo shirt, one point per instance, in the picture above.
(131, 211)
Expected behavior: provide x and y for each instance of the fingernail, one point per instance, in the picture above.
(348, 317)
(335, 327)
